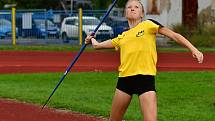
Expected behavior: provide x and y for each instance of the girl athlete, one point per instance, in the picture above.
(138, 58)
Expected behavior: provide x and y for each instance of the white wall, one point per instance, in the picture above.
(174, 14)
(167, 17)
(204, 4)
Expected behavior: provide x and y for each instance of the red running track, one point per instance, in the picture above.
(15, 111)
(34, 62)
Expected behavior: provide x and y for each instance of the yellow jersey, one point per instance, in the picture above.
(137, 48)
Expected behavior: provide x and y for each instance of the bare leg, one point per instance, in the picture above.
(148, 103)
(120, 103)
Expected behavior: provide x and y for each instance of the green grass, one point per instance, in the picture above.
(88, 48)
(182, 96)
(183, 49)
(44, 48)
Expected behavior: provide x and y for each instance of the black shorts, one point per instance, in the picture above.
(137, 84)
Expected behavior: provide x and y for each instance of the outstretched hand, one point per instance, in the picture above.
(198, 55)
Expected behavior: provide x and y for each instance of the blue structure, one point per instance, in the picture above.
(41, 23)
(6, 28)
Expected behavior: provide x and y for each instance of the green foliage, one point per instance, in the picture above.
(206, 16)
(37, 4)
(203, 36)
(70, 48)
(2, 3)
(206, 39)
(103, 4)
(121, 3)
(44, 48)
(74, 48)
(48, 4)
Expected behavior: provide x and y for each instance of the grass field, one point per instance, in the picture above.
(182, 96)
(88, 48)
(44, 48)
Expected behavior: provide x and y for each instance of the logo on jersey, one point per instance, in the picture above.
(140, 34)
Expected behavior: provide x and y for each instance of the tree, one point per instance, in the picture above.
(32, 4)
(190, 13)
(121, 3)
(37, 4)
(103, 4)
(55, 4)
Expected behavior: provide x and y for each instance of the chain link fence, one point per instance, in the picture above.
(42, 27)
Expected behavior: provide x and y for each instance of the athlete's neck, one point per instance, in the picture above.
(133, 23)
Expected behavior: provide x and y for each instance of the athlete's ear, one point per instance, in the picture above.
(142, 15)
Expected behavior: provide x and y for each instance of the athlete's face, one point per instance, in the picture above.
(134, 10)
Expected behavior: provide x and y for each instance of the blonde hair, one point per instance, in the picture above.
(140, 4)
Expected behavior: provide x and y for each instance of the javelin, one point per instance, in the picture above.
(79, 53)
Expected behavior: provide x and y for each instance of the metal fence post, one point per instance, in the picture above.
(14, 25)
(80, 26)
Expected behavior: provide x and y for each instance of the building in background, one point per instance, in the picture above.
(153, 7)
(170, 12)
(213, 8)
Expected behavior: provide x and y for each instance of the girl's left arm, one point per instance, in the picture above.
(182, 40)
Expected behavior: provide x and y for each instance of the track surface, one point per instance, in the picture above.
(28, 62)
(38, 62)
(16, 111)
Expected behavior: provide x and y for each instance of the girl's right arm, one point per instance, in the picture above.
(99, 45)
